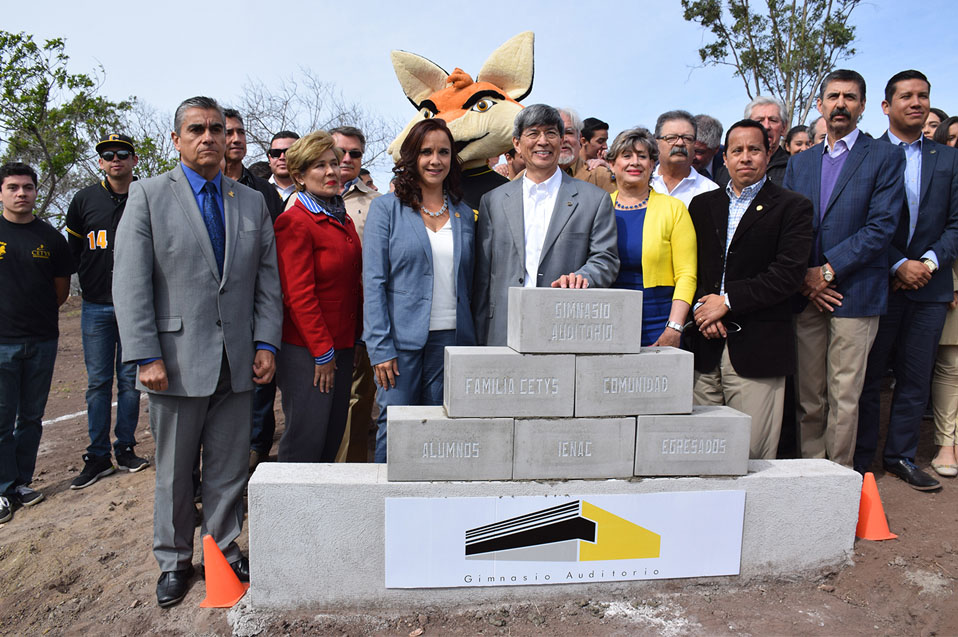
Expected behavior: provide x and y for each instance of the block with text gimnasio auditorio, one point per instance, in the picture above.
(711, 441)
(570, 448)
(424, 444)
(564, 321)
(658, 380)
(489, 382)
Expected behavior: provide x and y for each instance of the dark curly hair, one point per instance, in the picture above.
(407, 168)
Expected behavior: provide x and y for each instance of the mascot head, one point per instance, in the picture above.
(479, 113)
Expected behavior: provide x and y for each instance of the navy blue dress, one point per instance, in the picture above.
(656, 301)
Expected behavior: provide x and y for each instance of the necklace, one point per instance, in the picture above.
(440, 212)
(638, 206)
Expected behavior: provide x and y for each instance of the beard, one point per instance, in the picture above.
(566, 157)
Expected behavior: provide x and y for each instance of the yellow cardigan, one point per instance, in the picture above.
(669, 255)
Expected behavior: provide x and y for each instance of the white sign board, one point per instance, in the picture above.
(508, 541)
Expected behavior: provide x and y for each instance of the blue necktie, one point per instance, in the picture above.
(214, 224)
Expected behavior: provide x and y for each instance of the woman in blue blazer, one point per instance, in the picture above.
(417, 273)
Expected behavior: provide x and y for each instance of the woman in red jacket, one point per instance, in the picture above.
(320, 267)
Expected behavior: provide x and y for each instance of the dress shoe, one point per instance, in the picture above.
(945, 470)
(172, 586)
(915, 477)
(241, 568)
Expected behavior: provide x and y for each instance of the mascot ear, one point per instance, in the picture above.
(510, 66)
(418, 76)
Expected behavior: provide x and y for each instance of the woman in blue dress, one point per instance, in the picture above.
(657, 247)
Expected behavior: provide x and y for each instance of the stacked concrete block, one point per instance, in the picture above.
(572, 396)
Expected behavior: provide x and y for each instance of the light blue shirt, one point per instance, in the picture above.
(196, 185)
(912, 189)
(737, 206)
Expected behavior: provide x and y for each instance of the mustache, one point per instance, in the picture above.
(840, 110)
(679, 150)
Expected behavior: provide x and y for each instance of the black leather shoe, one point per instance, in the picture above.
(915, 477)
(172, 586)
(241, 568)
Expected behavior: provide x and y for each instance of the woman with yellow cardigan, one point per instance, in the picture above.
(657, 247)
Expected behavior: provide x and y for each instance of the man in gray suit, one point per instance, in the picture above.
(198, 305)
(543, 229)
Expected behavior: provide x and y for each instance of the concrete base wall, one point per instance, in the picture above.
(316, 532)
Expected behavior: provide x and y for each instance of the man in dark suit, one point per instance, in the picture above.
(855, 184)
(753, 242)
(199, 309)
(543, 229)
(921, 255)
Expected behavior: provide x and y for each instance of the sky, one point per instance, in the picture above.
(621, 61)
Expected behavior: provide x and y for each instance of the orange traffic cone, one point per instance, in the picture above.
(223, 588)
(872, 524)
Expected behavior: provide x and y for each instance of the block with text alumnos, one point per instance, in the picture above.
(425, 444)
(658, 380)
(566, 448)
(486, 382)
(711, 441)
(556, 320)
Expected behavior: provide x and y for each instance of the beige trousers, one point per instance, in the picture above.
(355, 444)
(761, 398)
(944, 395)
(832, 356)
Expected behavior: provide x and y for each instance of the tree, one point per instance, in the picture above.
(304, 103)
(784, 51)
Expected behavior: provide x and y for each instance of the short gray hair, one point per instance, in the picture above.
(668, 116)
(350, 131)
(573, 118)
(205, 103)
(762, 100)
(628, 138)
(537, 115)
(812, 124)
(709, 131)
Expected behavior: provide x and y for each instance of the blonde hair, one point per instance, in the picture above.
(306, 151)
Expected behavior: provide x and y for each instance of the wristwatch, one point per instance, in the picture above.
(678, 327)
(827, 273)
(930, 264)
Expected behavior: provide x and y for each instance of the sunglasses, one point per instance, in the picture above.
(355, 154)
(276, 153)
(108, 155)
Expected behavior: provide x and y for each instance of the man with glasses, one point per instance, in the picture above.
(92, 220)
(753, 242)
(357, 197)
(675, 132)
(544, 229)
(276, 154)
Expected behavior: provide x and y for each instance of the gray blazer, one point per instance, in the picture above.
(169, 298)
(581, 238)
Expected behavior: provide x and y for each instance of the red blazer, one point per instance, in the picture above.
(321, 271)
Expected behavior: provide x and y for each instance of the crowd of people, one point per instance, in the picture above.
(800, 268)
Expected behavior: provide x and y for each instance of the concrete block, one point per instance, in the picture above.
(488, 382)
(317, 531)
(711, 441)
(555, 320)
(424, 444)
(658, 380)
(566, 448)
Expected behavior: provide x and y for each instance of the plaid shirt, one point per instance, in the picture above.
(737, 205)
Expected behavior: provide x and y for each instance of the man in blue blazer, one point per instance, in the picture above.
(921, 255)
(855, 184)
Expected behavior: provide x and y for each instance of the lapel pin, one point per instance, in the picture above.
(568, 203)
(759, 207)
(932, 151)
(457, 215)
(230, 193)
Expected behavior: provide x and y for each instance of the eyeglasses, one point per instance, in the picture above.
(355, 154)
(108, 155)
(534, 133)
(276, 153)
(673, 139)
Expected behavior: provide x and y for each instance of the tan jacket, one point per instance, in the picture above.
(600, 176)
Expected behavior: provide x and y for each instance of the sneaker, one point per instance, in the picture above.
(6, 511)
(126, 459)
(27, 496)
(95, 467)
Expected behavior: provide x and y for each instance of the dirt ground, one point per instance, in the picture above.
(80, 564)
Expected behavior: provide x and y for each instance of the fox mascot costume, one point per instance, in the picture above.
(479, 113)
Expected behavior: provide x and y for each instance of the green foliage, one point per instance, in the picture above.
(783, 49)
(51, 118)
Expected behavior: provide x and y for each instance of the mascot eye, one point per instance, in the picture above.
(482, 106)
(427, 114)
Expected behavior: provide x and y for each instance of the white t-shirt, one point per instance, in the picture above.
(442, 316)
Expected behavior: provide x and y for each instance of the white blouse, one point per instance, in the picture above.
(443, 313)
